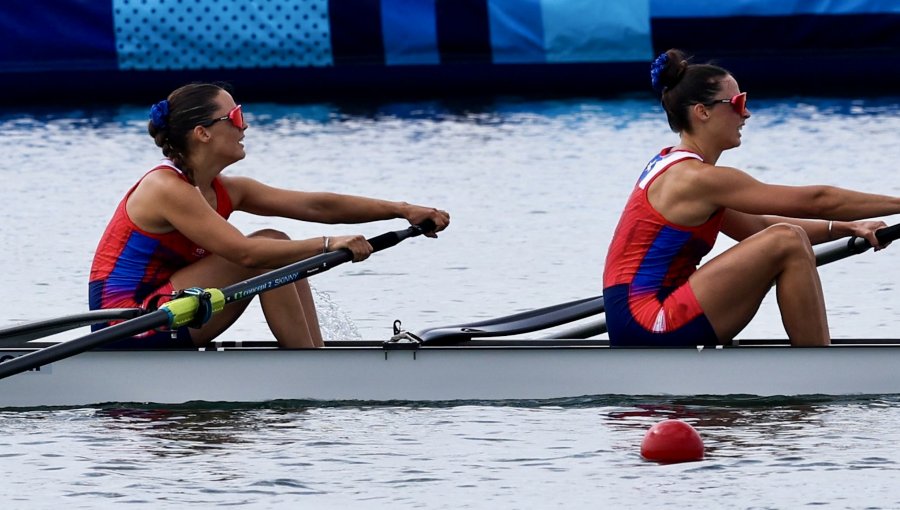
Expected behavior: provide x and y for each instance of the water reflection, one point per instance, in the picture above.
(177, 433)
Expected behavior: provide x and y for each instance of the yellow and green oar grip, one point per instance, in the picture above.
(193, 307)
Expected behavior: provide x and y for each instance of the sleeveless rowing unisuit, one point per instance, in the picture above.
(649, 301)
(132, 267)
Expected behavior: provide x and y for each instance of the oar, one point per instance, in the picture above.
(551, 316)
(20, 333)
(524, 322)
(182, 311)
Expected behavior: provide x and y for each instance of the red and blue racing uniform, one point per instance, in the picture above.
(649, 301)
(132, 267)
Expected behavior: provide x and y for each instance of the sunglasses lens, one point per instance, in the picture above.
(739, 103)
(237, 117)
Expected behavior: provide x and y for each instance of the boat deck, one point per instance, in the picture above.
(505, 343)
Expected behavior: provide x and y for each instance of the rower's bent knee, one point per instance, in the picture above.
(270, 233)
(789, 241)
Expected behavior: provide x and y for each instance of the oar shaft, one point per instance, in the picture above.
(62, 350)
(21, 333)
(314, 265)
(288, 274)
(524, 322)
(594, 328)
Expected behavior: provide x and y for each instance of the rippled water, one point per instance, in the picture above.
(566, 454)
(535, 189)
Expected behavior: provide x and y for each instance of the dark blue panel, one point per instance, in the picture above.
(410, 32)
(778, 35)
(516, 31)
(463, 30)
(37, 35)
(816, 55)
(356, 31)
(684, 9)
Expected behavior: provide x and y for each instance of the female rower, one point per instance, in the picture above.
(171, 231)
(654, 292)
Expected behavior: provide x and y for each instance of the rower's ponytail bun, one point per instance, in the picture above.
(681, 84)
(667, 70)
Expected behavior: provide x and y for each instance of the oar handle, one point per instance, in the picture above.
(840, 249)
(888, 234)
(388, 239)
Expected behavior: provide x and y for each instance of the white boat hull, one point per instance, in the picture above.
(449, 373)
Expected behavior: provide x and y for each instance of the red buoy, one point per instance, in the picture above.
(672, 441)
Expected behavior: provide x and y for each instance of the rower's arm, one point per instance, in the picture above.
(733, 189)
(739, 226)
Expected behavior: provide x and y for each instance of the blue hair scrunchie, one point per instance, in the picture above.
(159, 114)
(656, 68)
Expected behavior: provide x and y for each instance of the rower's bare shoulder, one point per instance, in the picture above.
(161, 182)
(705, 176)
(686, 176)
(240, 188)
(161, 191)
(152, 197)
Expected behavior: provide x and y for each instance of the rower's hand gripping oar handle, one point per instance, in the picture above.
(885, 235)
(838, 250)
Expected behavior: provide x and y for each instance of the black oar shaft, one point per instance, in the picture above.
(524, 322)
(21, 333)
(593, 328)
(62, 350)
(306, 268)
(288, 274)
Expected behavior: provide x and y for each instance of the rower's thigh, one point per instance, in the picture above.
(216, 271)
(731, 286)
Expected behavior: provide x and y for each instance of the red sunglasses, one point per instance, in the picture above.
(236, 116)
(738, 103)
